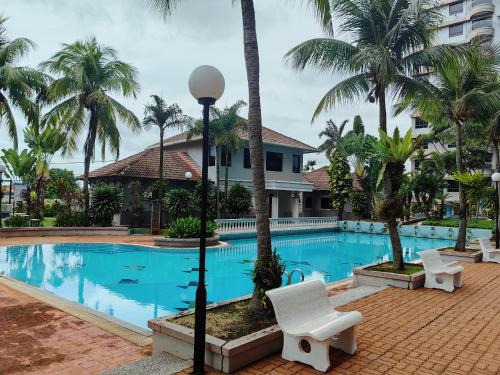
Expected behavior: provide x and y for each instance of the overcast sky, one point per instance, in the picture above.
(165, 53)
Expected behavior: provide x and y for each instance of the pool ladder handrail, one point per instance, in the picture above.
(290, 275)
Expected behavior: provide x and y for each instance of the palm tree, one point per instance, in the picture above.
(389, 42)
(309, 166)
(88, 73)
(333, 134)
(463, 91)
(394, 152)
(164, 117)
(17, 83)
(322, 10)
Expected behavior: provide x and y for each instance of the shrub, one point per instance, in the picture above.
(178, 202)
(17, 221)
(189, 227)
(359, 202)
(50, 209)
(267, 275)
(106, 202)
(70, 218)
(239, 200)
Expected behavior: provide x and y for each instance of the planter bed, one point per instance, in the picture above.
(169, 242)
(63, 231)
(222, 355)
(468, 256)
(367, 275)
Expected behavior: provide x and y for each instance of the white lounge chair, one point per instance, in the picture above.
(490, 254)
(310, 324)
(440, 275)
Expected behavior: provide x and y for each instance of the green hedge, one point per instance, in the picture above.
(480, 224)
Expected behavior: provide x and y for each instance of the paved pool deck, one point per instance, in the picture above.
(418, 332)
(138, 239)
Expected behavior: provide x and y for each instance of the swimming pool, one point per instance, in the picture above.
(137, 283)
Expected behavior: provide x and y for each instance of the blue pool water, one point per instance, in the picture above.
(136, 283)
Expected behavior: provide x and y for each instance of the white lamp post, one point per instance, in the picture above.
(495, 177)
(2, 170)
(188, 175)
(206, 84)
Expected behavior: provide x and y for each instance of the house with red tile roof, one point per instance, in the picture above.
(283, 160)
(318, 202)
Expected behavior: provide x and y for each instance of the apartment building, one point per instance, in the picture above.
(463, 21)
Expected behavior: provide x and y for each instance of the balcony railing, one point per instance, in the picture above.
(479, 24)
(249, 225)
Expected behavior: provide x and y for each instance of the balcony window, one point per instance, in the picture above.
(246, 158)
(296, 164)
(309, 202)
(274, 161)
(455, 30)
(326, 203)
(452, 186)
(482, 22)
(456, 8)
(475, 3)
(420, 124)
(223, 152)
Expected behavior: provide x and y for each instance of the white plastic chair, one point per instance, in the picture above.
(490, 254)
(440, 275)
(310, 324)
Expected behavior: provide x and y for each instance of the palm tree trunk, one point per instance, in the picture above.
(255, 139)
(382, 110)
(397, 250)
(89, 153)
(217, 176)
(462, 229)
(226, 182)
(160, 184)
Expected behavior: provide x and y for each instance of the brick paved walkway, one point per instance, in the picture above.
(419, 332)
(38, 339)
(137, 239)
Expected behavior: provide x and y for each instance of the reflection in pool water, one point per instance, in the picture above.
(136, 283)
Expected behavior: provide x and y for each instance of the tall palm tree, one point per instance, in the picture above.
(17, 83)
(164, 117)
(322, 11)
(462, 91)
(333, 134)
(389, 41)
(309, 166)
(88, 73)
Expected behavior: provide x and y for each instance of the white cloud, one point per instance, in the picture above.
(199, 32)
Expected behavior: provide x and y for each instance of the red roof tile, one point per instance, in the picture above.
(268, 136)
(321, 181)
(146, 164)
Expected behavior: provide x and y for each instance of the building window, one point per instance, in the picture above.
(274, 161)
(456, 8)
(309, 202)
(452, 186)
(296, 164)
(326, 203)
(246, 158)
(420, 124)
(417, 164)
(223, 151)
(479, 23)
(452, 145)
(424, 145)
(455, 30)
(211, 158)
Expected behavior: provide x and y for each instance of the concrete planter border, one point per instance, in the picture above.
(364, 276)
(225, 356)
(450, 255)
(168, 242)
(63, 231)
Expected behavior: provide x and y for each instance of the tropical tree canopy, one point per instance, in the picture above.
(20, 165)
(333, 135)
(18, 84)
(164, 116)
(386, 43)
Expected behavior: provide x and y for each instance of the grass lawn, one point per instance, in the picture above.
(410, 268)
(481, 224)
(229, 322)
(48, 221)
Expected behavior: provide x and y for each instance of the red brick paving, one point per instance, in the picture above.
(38, 339)
(419, 332)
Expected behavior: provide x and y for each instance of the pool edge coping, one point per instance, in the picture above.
(130, 332)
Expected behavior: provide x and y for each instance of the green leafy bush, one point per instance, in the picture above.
(267, 275)
(239, 200)
(70, 218)
(189, 227)
(17, 221)
(359, 202)
(106, 202)
(50, 209)
(178, 202)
